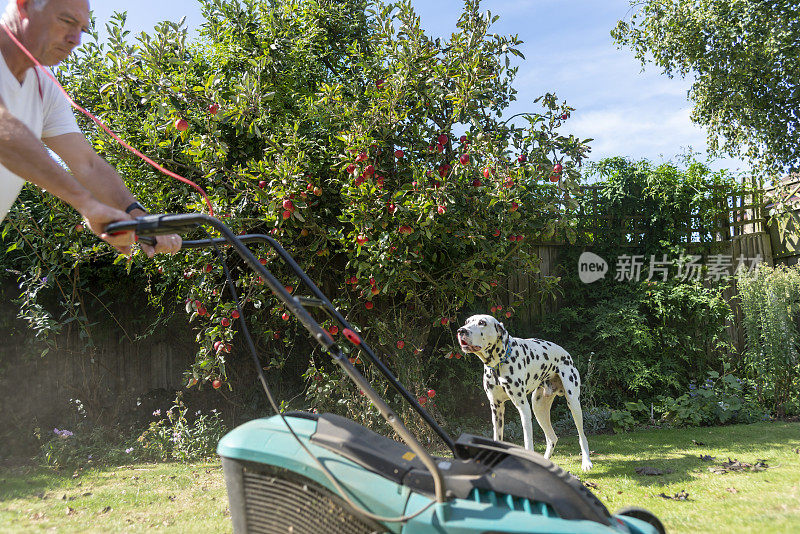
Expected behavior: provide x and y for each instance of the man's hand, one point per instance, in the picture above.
(168, 244)
(97, 215)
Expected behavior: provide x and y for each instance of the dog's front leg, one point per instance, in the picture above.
(498, 413)
(524, 409)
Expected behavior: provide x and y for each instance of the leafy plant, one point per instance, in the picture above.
(770, 300)
(721, 399)
(179, 437)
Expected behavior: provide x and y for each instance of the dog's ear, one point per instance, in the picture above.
(501, 330)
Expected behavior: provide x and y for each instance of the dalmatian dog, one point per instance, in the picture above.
(516, 368)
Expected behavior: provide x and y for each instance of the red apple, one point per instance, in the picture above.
(508, 314)
(351, 169)
(208, 268)
(213, 109)
(439, 148)
(522, 158)
(262, 261)
(441, 210)
(444, 321)
(443, 139)
(318, 191)
(235, 314)
(216, 384)
(181, 125)
(431, 393)
(288, 205)
(262, 184)
(361, 239)
(487, 172)
(557, 168)
(422, 400)
(361, 157)
(398, 154)
(333, 330)
(514, 206)
(476, 183)
(369, 305)
(462, 139)
(225, 321)
(79, 228)
(285, 316)
(496, 233)
(287, 214)
(464, 159)
(401, 344)
(555, 178)
(369, 171)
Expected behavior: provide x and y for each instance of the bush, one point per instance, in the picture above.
(721, 399)
(176, 437)
(771, 307)
(644, 336)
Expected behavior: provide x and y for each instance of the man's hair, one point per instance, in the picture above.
(11, 8)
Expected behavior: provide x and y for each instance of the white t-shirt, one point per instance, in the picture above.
(46, 114)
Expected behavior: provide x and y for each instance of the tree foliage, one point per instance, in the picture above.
(377, 155)
(742, 55)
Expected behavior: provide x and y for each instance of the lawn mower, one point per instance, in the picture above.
(301, 472)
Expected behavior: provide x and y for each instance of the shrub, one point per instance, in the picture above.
(721, 399)
(177, 437)
(770, 300)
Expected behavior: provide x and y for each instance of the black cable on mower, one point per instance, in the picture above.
(251, 346)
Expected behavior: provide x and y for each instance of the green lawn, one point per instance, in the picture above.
(191, 497)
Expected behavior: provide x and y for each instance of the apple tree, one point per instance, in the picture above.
(377, 155)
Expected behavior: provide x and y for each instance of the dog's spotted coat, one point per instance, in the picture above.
(515, 369)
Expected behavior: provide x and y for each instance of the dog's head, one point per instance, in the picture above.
(481, 333)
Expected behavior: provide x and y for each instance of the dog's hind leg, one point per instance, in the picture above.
(573, 401)
(542, 399)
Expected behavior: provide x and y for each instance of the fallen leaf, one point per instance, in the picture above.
(37, 516)
(698, 443)
(86, 494)
(651, 471)
(70, 510)
(106, 510)
(707, 458)
(797, 451)
(590, 485)
(680, 496)
(619, 492)
(732, 490)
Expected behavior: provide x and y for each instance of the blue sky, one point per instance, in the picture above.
(568, 49)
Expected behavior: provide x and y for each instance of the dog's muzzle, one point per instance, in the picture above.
(463, 340)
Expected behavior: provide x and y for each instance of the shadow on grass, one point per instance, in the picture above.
(23, 481)
(677, 452)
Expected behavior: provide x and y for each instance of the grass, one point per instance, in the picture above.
(743, 501)
(169, 497)
(177, 497)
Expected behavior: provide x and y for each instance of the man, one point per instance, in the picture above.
(33, 110)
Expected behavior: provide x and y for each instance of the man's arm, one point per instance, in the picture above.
(103, 181)
(24, 155)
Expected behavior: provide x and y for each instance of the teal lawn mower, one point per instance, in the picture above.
(310, 473)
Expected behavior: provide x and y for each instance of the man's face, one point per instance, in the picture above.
(52, 32)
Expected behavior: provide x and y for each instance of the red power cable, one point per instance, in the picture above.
(106, 128)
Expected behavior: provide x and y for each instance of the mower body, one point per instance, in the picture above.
(493, 487)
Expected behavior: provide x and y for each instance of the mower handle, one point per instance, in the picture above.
(151, 225)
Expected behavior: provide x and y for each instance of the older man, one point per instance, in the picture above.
(33, 111)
